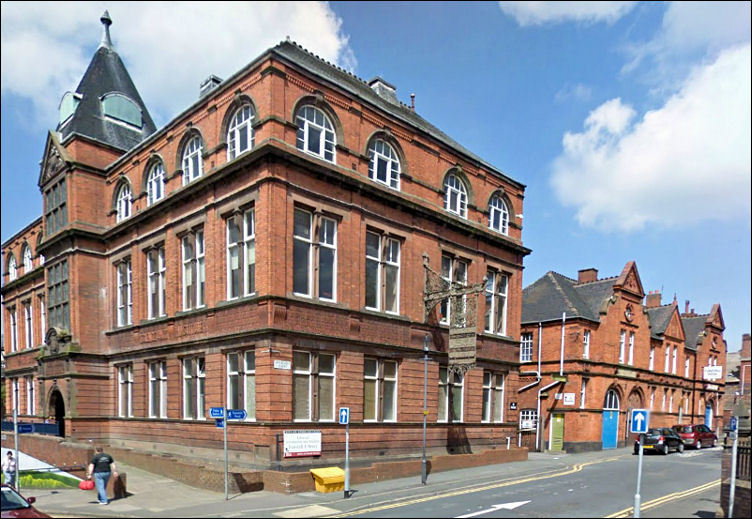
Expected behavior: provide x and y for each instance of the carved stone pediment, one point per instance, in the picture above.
(55, 160)
(56, 339)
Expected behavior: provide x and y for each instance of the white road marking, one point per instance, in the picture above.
(503, 506)
(308, 511)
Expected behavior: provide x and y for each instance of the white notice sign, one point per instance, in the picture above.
(302, 443)
(281, 364)
(712, 372)
(568, 398)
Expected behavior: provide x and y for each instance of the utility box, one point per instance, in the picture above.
(329, 479)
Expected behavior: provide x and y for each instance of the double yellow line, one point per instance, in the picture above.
(627, 512)
(472, 490)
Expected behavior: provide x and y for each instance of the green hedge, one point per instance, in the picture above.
(45, 480)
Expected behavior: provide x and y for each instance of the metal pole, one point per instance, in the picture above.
(347, 459)
(227, 466)
(15, 439)
(423, 474)
(732, 485)
(639, 481)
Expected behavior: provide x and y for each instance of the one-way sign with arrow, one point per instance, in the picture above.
(640, 421)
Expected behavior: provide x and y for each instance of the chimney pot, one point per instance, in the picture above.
(686, 306)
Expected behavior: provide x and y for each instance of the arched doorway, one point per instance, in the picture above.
(709, 413)
(633, 402)
(610, 431)
(56, 411)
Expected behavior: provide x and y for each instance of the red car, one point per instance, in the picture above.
(15, 505)
(696, 435)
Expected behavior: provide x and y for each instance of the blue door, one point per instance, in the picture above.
(709, 416)
(610, 431)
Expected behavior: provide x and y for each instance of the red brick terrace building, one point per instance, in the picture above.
(592, 351)
(261, 251)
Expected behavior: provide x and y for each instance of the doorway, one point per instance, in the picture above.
(57, 411)
(609, 433)
(557, 432)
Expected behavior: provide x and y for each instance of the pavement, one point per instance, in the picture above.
(152, 495)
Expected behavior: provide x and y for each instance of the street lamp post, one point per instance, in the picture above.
(426, 342)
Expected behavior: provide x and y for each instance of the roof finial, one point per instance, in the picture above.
(106, 22)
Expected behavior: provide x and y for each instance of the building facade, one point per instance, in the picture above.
(594, 349)
(262, 251)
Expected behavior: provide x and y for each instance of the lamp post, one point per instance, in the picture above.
(426, 343)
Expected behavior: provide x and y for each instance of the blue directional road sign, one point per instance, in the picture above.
(640, 420)
(217, 412)
(344, 415)
(25, 428)
(733, 423)
(236, 414)
(220, 422)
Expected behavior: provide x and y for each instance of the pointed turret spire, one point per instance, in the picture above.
(106, 22)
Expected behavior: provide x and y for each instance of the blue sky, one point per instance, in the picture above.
(628, 122)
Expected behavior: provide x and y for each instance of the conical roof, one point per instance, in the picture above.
(109, 108)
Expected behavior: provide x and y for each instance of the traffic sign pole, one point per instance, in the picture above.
(15, 436)
(639, 481)
(640, 420)
(347, 460)
(732, 484)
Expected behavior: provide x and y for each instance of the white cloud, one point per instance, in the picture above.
(685, 162)
(168, 48)
(576, 92)
(540, 13)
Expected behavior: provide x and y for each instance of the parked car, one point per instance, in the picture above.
(15, 505)
(660, 439)
(696, 435)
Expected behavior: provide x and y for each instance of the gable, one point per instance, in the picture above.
(675, 328)
(716, 318)
(629, 280)
(55, 161)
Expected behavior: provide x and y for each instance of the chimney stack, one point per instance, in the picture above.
(746, 345)
(653, 299)
(587, 275)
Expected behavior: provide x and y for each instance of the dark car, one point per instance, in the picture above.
(660, 439)
(696, 435)
(15, 505)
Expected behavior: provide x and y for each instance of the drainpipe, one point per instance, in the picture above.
(538, 425)
(561, 357)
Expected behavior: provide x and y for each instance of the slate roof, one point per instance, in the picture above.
(553, 294)
(106, 74)
(659, 317)
(693, 327)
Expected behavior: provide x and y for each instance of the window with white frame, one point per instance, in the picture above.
(528, 419)
(241, 255)
(155, 266)
(496, 302)
(622, 344)
(671, 402)
(686, 402)
(30, 400)
(686, 367)
(124, 293)
(382, 273)
(493, 397)
(27, 261)
(241, 382)
(29, 321)
(583, 393)
(125, 391)
(526, 347)
(452, 270)
(124, 201)
(14, 396)
(40, 237)
(314, 251)
(240, 131)
(12, 268)
(673, 361)
(611, 401)
(13, 329)
(194, 270)
(158, 389)
(652, 398)
(666, 359)
(313, 386)
(42, 316)
(193, 164)
(630, 359)
(194, 388)
(586, 344)
(498, 215)
(379, 390)
(315, 133)
(651, 359)
(155, 183)
(451, 392)
(663, 400)
(384, 164)
(455, 195)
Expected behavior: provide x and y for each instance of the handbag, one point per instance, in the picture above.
(86, 484)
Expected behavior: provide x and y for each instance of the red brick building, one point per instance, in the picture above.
(262, 251)
(593, 349)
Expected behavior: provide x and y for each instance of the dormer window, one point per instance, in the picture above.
(240, 132)
(455, 195)
(122, 110)
(68, 105)
(27, 263)
(193, 164)
(155, 183)
(315, 133)
(124, 203)
(498, 215)
(384, 166)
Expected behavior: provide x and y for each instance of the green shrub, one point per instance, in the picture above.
(46, 480)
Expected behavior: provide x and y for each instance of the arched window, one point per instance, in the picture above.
(12, 268)
(240, 132)
(41, 256)
(455, 195)
(193, 164)
(27, 263)
(117, 106)
(124, 202)
(612, 401)
(498, 215)
(384, 165)
(155, 183)
(315, 132)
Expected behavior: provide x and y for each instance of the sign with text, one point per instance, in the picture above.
(568, 398)
(282, 364)
(712, 372)
(217, 412)
(302, 443)
(236, 414)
